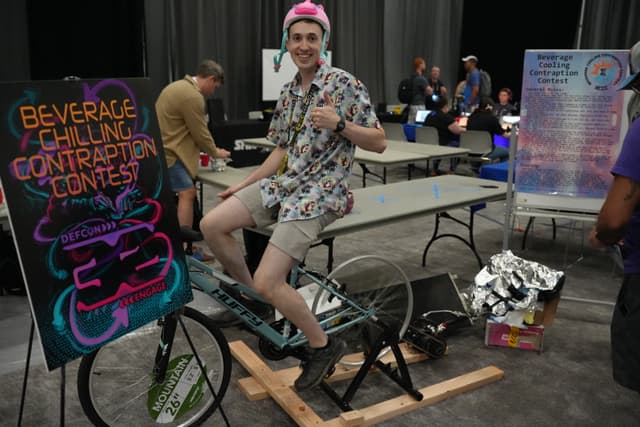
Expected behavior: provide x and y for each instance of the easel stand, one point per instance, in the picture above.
(389, 337)
(26, 376)
(278, 385)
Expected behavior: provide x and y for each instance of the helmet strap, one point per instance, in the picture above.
(323, 53)
(277, 58)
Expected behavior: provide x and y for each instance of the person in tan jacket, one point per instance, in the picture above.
(182, 119)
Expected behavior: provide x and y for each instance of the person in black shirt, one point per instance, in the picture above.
(448, 129)
(420, 89)
(437, 87)
(504, 106)
(484, 119)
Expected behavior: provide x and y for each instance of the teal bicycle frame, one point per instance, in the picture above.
(201, 274)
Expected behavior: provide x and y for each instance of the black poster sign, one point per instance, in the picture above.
(94, 220)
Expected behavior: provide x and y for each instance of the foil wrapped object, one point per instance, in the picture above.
(509, 282)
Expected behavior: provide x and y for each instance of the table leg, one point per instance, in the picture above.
(365, 171)
(470, 242)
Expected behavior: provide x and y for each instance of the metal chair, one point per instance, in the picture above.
(394, 131)
(426, 135)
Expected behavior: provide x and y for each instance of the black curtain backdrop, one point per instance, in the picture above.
(14, 41)
(500, 42)
(376, 40)
(88, 39)
(610, 24)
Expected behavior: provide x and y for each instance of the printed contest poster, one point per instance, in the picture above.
(91, 212)
(570, 128)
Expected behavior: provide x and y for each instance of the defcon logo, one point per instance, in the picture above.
(603, 71)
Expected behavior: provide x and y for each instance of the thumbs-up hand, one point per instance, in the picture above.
(325, 117)
(328, 102)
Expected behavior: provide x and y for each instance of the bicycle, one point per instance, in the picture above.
(163, 383)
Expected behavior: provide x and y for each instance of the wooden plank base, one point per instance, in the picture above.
(278, 385)
(254, 391)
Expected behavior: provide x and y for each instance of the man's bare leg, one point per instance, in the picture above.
(186, 198)
(270, 282)
(270, 277)
(217, 226)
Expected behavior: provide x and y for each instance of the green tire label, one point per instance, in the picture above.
(180, 392)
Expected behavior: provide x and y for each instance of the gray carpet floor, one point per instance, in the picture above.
(568, 384)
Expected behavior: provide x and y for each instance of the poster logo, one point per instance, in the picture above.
(603, 71)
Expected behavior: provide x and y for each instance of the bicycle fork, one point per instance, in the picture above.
(169, 324)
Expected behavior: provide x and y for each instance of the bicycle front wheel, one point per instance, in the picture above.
(373, 283)
(117, 385)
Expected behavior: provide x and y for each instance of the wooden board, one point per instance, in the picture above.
(278, 385)
(432, 394)
(254, 391)
(282, 393)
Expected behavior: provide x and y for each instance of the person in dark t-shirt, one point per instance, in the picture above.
(437, 86)
(448, 129)
(484, 119)
(504, 106)
(420, 89)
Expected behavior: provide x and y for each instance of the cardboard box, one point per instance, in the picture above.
(526, 337)
(548, 313)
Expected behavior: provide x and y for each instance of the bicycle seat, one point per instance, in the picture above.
(188, 234)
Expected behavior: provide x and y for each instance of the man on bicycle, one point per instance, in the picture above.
(320, 118)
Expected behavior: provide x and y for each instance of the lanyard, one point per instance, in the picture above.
(303, 112)
(296, 130)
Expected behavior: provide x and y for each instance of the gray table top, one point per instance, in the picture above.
(382, 204)
(388, 157)
(433, 151)
(225, 179)
(397, 152)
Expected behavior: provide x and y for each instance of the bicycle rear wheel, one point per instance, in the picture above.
(117, 387)
(372, 282)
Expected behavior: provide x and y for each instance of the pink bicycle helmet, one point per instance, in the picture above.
(303, 10)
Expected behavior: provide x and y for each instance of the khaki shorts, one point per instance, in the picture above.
(292, 237)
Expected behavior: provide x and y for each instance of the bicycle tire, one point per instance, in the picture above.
(373, 282)
(116, 385)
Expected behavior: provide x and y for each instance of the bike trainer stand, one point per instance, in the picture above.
(386, 337)
(278, 385)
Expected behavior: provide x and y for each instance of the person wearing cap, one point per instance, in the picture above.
(180, 109)
(319, 119)
(472, 88)
(618, 226)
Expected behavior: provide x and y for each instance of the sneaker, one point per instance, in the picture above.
(226, 318)
(319, 362)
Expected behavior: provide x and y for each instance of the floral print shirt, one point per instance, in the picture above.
(320, 160)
